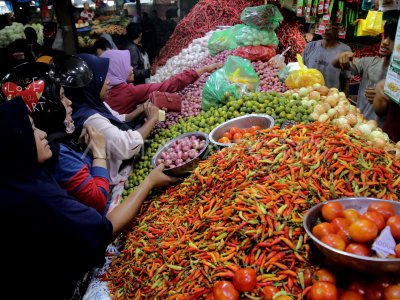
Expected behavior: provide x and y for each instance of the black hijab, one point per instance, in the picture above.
(49, 239)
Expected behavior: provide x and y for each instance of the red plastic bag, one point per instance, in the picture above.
(255, 53)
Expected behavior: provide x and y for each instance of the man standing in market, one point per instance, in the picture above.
(371, 69)
(319, 55)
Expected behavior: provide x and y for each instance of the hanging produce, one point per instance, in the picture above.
(243, 208)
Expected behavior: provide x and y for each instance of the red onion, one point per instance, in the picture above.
(182, 150)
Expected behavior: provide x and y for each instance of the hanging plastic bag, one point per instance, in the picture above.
(374, 21)
(249, 36)
(222, 40)
(304, 77)
(264, 17)
(235, 78)
(256, 53)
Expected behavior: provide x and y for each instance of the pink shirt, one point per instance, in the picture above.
(125, 97)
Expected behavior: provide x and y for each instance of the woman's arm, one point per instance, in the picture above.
(124, 213)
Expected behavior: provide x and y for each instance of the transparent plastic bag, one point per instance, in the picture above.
(249, 36)
(256, 53)
(264, 17)
(304, 77)
(222, 40)
(278, 61)
(235, 78)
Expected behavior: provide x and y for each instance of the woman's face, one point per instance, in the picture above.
(42, 145)
(68, 122)
(86, 6)
(104, 90)
(131, 77)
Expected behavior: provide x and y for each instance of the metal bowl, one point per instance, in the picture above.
(186, 168)
(264, 121)
(349, 260)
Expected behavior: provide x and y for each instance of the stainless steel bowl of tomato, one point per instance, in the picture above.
(357, 222)
(236, 128)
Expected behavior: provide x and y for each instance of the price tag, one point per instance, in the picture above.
(384, 244)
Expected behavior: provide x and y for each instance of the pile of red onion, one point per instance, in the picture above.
(181, 151)
(269, 80)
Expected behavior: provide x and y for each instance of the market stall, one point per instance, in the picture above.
(234, 227)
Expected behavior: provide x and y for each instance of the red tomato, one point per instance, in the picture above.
(351, 295)
(307, 274)
(359, 287)
(210, 297)
(322, 229)
(375, 217)
(224, 290)
(268, 292)
(247, 134)
(394, 224)
(351, 214)
(224, 140)
(392, 292)
(332, 210)
(374, 293)
(234, 130)
(345, 235)
(397, 250)
(335, 241)
(384, 208)
(255, 128)
(323, 275)
(245, 279)
(323, 291)
(375, 290)
(283, 297)
(358, 249)
(237, 136)
(227, 135)
(340, 224)
(363, 231)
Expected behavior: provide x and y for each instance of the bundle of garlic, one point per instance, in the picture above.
(186, 59)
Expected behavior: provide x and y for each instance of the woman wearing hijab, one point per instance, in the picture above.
(84, 176)
(124, 96)
(50, 239)
(123, 141)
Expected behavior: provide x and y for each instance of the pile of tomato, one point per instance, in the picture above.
(244, 280)
(324, 287)
(236, 134)
(348, 230)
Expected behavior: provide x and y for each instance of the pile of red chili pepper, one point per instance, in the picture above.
(289, 34)
(204, 17)
(372, 50)
(244, 206)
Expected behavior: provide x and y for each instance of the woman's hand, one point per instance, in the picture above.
(209, 69)
(157, 178)
(151, 111)
(96, 141)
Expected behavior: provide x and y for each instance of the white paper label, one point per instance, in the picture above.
(385, 243)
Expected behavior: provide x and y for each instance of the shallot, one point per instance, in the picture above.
(181, 151)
